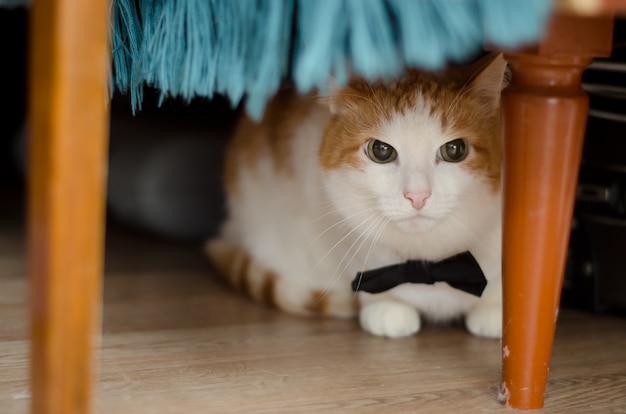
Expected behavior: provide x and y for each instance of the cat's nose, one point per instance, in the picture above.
(417, 198)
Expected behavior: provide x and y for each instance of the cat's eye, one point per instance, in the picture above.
(454, 151)
(380, 152)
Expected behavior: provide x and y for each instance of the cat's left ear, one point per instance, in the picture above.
(339, 99)
(331, 95)
(490, 77)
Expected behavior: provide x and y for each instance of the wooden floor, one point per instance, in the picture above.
(177, 341)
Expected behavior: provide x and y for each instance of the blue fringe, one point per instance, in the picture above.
(243, 48)
(202, 47)
(381, 37)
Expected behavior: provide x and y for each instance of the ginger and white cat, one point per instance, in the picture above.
(372, 175)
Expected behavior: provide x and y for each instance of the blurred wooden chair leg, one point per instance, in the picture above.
(67, 173)
(544, 117)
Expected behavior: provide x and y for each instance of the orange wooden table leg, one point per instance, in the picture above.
(67, 173)
(544, 116)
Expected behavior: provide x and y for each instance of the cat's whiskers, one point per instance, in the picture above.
(331, 211)
(328, 207)
(336, 276)
(348, 234)
(332, 203)
(337, 223)
(326, 202)
(477, 235)
(363, 237)
(371, 249)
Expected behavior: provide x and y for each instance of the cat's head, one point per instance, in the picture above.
(413, 152)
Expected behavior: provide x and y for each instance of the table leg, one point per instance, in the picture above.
(544, 116)
(67, 173)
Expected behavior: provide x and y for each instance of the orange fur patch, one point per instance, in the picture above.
(235, 267)
(318, 303)
(465, 98)
(271, 137)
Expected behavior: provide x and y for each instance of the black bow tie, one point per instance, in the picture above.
(461, 272)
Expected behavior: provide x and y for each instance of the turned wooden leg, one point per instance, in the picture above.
(544, 127)
(69, 133)
(544, 116)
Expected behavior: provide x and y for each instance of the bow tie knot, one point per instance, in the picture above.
(461, 272)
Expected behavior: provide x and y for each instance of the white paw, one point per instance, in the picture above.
(390, 319)
(485, 320)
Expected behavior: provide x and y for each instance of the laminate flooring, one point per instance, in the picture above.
(176, 340)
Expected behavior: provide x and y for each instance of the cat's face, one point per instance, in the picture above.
(417, 152)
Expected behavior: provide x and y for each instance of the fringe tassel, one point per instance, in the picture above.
(243, 47)
(126, 41)
(202, 47)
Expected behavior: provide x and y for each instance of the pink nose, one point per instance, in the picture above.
(418, 199)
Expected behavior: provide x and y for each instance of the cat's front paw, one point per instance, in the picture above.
(485, 320)
(390, 319)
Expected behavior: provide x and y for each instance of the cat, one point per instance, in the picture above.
(369, 175)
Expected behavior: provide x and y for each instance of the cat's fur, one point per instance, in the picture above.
(308, 209)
